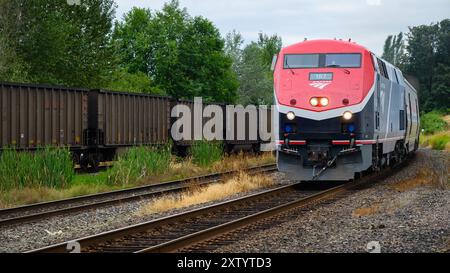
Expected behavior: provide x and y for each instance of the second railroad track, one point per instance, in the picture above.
(187, 230)
(38, 211)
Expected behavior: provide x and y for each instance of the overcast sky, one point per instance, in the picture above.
(367, 22)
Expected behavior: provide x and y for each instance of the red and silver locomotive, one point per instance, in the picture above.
(340, 111)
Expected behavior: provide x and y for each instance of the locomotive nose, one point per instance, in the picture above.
(318, 153)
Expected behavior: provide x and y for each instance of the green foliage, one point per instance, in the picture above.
(131, 40)
(428, 59)
(252, 65)
(139, 82)
(57, 43)
(183, 55)
(206, 153)
(138, 163)
(440, 89)
(432, 122)
(439, 141)
(50, 167)
(394, 49)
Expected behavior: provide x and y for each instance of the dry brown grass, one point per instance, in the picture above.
(365, 211)
(446, 119)
(240, 183)
(186, 168)
(241, 161)
(42, 194)
(424, 177)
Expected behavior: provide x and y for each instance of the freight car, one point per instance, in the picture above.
(231, 115)
(34, 116)
(96, 125)
(341, 111)
(118, 120)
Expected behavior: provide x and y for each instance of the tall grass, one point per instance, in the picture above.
(433, 122)
(206, 153)
(50, 167)
(138, 163)
(440, 141)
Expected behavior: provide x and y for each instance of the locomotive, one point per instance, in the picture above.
(340, 111)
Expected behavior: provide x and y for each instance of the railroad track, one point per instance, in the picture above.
(41, 210)
(201, 226)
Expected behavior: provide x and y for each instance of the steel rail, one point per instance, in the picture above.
(132, 194)
(168, 220)
(204, 234)
(219, 230)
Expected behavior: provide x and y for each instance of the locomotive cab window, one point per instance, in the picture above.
(343, 60)
(301, 61)
(329, 60)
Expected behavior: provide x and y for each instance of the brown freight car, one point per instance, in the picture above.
(34, 116)
(118, 120)
(236, 119)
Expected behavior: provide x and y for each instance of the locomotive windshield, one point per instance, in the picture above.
(350, 60)
(342, 60)
(301, 61)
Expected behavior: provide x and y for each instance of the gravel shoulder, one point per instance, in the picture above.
(57, 229)
(408, 212)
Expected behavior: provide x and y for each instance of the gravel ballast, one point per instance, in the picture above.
(61, 228)
(412, 218)
(400, 214)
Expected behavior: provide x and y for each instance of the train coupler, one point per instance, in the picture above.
(330, 162)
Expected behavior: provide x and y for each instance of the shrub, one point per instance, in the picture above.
(432, 123)
(138, 163)
(205, 153)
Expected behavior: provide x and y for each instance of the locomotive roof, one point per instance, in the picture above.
(325, 46)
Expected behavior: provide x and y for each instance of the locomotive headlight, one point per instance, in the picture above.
(290, 116)
(347, 115)
(314, 101)
(324, 101)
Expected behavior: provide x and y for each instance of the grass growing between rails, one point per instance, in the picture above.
(138, 166)
(240, 183)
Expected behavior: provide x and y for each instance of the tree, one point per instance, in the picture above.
(428, 60)
(12, 67)
(270, 45)
(130, 39)
(440, 89)
(182, 55)
(122, 80)
(61, 43)
(256, 85)
(252, 65)
(233, 48)
(393, 51)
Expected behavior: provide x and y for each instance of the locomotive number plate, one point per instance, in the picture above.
(321, 76)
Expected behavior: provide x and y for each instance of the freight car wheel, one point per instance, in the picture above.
(228, 148)
(256, 148)
(84, 166)
(93, 162)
